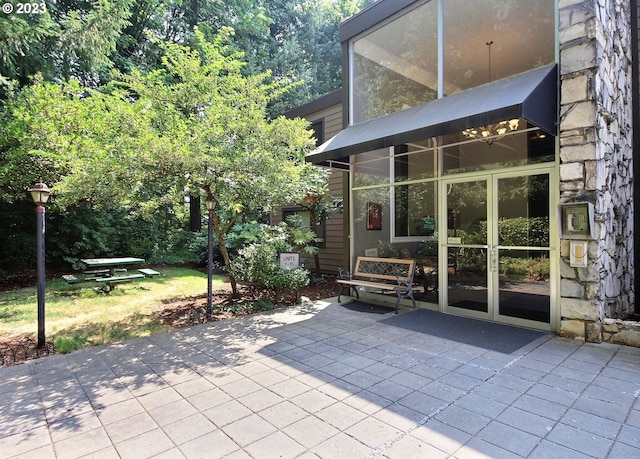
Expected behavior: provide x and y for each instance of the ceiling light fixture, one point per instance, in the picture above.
(495, 131)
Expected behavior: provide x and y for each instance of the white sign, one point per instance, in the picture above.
(289, 260)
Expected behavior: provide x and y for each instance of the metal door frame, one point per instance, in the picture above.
(492, 246)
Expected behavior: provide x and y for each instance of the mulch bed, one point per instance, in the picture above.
(192, 310)
(18, 349)
(180, 313)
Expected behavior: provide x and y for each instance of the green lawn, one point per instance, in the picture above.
(81, 315)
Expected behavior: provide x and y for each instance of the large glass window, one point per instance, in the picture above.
(528, 146)
(396, 196)
(395, 66)
(494, 39)
(415, 161)
(371, 168)
(416, 207)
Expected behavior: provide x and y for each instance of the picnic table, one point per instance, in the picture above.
(111, 271)
(111, 263)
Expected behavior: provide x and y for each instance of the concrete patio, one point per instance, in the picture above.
(322, 381)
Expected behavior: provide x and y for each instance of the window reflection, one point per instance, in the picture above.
(415, 161)
(518, 149)
(525, 290)
(510, 26)
(395, 66)
(523, 211)
(371, 168)
(415, 209)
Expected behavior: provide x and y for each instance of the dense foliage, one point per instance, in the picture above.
(127, 107)
(258, 261)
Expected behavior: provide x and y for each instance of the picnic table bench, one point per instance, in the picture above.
(387, 274)
(106, 271)
(112, 281)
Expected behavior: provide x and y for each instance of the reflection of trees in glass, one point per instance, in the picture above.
(531, 266)
(413, 204)
(533, 188)
(379, 91)
(524, 211)
(523, 231)
(372, 195)
(467, 194)
(420, 38)
(396, 65)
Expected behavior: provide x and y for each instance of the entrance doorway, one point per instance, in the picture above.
(496, 254)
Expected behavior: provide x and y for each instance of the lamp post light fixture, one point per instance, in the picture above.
(40, 195)
(210, 203)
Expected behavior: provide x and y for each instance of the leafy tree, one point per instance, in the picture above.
(197, 123)
(72, 38)
(296, 39)
(303, 45)
(227, 147)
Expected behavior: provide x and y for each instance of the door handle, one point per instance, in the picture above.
(493, 260)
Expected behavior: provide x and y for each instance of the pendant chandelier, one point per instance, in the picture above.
(492, 132)
(495, 131)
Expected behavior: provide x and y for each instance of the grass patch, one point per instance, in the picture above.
(82, 315)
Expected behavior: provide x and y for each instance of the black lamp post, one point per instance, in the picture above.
(210, 207)
(40, 194)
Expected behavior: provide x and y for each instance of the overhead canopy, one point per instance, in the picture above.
(531, 95)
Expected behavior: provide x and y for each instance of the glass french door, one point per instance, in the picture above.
(496, 255)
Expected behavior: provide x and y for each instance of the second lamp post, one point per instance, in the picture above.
(40, 195)
(210, 207)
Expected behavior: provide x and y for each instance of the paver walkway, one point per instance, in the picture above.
(320, 380)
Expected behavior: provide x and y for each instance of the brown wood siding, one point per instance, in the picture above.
(333, 254)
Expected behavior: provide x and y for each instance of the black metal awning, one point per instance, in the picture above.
(532, 95)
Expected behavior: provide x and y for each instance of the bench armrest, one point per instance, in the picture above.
(344, 274)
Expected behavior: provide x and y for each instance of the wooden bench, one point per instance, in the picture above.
(387, 274)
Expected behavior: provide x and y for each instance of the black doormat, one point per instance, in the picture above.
(487, 335)
(473, 305)
(363, 307)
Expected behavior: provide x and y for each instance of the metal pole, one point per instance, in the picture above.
(210, 268)
(40, 228)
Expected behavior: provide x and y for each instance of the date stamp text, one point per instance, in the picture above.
(24, 8)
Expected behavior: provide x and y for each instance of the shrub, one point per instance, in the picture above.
(521, 231)
(258, 263)
(532, 269)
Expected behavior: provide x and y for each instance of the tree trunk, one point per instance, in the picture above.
(225, 255)
(314, 229)
(195, 219)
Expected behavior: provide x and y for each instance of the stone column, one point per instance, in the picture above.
(596, 160)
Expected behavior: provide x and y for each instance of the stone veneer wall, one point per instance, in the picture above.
(596, 161)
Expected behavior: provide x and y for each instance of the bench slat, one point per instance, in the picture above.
(104, 271)
(363, 283)
(71, 279)
(380, 285)
(128, 277)
(149, 272)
